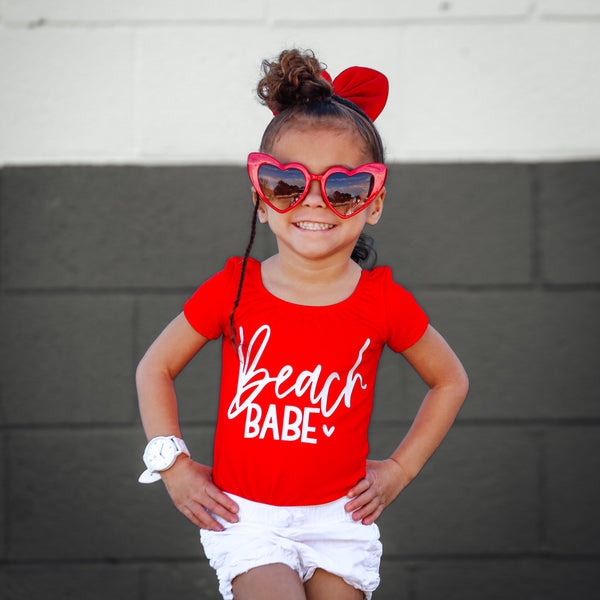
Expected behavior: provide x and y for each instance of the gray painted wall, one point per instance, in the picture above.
(504, 258)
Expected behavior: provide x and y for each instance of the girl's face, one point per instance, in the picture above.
(312, 230)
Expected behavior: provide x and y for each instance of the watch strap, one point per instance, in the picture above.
(180, 444)
(149, 476)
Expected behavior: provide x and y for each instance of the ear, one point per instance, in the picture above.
(262, 211)
(375, 209)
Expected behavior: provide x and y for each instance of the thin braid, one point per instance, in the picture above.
(232, 334)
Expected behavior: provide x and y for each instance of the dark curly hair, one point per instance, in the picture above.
(294, 89)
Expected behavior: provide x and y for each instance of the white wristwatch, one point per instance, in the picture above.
(160, 454)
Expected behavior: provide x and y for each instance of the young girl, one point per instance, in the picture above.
(288, 509)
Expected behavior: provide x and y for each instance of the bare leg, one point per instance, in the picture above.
(271, 582)
(326, 586)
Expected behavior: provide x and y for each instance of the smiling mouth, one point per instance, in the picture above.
(312, 226)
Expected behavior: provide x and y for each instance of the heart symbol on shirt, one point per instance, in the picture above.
(328, 431)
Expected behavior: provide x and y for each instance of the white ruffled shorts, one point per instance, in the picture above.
(304, 538)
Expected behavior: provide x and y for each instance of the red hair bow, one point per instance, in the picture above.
(365, 87)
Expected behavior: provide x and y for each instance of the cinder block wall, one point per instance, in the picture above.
(155, 82)
(121, 192)
(504, 257)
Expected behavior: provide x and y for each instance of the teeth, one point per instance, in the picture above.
(313, 226)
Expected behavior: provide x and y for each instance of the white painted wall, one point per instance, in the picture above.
(172, 81)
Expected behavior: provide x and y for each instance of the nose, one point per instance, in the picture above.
(314, 196)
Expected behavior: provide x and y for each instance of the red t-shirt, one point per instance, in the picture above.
(297, 393)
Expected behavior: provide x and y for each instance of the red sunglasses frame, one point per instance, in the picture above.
(258, 159)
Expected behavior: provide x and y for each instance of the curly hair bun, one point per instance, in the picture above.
(295, 78)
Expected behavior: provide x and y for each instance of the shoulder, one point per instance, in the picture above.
(381, 279)
(404, 318)
(234, 263)
(233, 266)
(228, 277)
(392, 295)
(379, 274)
(384, 278)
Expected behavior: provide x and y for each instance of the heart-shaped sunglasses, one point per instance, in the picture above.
(283, 187)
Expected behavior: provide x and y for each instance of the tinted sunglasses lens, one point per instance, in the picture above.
(281, 188)
(348, 194)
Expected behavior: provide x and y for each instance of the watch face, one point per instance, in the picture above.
(160, 454)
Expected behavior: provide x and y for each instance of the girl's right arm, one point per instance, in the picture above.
(189, 483)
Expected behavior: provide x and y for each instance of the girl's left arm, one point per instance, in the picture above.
(442, 371)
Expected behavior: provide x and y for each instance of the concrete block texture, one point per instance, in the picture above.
(74, 495)
(149, 81)
(573, 9)
(198, 92)
(520, 579)
(384, 11)
(460, 92)
(92, 227)
(465, 224)
(187, 10)
(121, 227)
(67, 359)
(528, 354)
(485, 93)
(69, 582)
(572, 467)
(3, 506)
(187, 581)
(66, 93)
(479, 494)
(396, 580)
(144, 11)
(570, 222)
(94, 263)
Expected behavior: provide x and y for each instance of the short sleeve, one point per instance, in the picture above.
(406, 320)
(208, 307)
